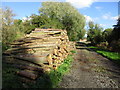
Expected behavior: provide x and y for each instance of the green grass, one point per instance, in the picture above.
(56, 76)
(73, 51)
(110, 55)
(92, 47)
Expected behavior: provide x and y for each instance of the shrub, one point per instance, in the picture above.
(115, 45)
(103, 45)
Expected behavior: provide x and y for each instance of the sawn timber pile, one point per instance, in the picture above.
(40, 51)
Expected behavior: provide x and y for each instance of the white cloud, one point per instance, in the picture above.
(87, 3)
(26, 18)
(99, 8)
(96, 19)
(108, 16)
(114, 18)
(81, 3)
(102, 25)
(88, 18)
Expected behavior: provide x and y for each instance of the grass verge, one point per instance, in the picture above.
(114, 56)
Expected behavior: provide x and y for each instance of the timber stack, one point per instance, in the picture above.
(40, 51)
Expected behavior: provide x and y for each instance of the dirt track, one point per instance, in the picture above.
(91, 70)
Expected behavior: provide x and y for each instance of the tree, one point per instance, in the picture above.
(116, 31)
(91, 24)
(11, 29)
(17, 22)
(8, 32)
(94, 33)
(107, 34)
(114, 41)
(43, 21)
(7, 16)
(67, 15)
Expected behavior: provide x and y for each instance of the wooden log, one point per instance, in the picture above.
(40, 49)
(13, 61)
(27, 48)
(34, 59)
(62, 51)
(66, 50)
(40, 45)
(59, 61)
(28, 74)
(55, 67)
(47, 69)
(26, 80)
(27, 67)
(49, 59)
(55, 31)
(55, 52)
(42, 53)
(59, 54)
(56, 37)
(55, 61)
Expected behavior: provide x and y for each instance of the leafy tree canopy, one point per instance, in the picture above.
(94, 33)
(66, 14)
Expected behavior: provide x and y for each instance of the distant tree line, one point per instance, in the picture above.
(107, 39)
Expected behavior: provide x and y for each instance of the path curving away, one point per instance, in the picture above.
(91, 70)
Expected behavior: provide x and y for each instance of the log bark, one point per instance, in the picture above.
(28, 67)
(49, 59)
(28, 74)
(37, 60)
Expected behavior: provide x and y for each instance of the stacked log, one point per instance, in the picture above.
(40, 51)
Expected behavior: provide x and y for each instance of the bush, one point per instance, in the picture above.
(8, 36)
(115, 45)
(94, 33)
(106, 34)
(103, 45)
